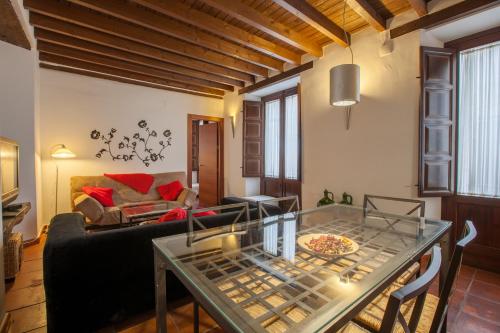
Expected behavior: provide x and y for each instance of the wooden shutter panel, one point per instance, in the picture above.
(437, 122)
(252, 139)
(195, 146)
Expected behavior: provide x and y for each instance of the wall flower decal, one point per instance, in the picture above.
(138, 147)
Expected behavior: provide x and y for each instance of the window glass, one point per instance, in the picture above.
(478, 151)
(272, 139)
(291, 137)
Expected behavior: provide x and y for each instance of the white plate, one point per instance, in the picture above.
(303, 240)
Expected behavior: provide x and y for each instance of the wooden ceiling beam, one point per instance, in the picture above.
(368, 13)
(316, 19)
(121, 79)
(461, 9)
(54, 39)
(249, 15)
(205, 21)
(68, 29)
(277, 78)
(11, 28)
(67, 52)
(419, 6)
(138, 15)
(72, 14)
(55, 59)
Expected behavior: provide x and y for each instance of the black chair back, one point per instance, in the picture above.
(292, 201)
(416, 289)
(468, 235)
(369, 203)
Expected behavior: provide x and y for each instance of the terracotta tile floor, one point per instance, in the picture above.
(475, 306)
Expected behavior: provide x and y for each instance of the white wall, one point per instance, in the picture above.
(73, 105)
(234, 183)
(379, 154)
(18, 104)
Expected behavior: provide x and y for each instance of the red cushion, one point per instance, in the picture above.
(207, 213)
(102, 194)
(170, 191)
(173, 215)
(141, 182)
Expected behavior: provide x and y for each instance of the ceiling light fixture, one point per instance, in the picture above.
(344, 81)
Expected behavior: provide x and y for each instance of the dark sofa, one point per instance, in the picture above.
(94, 279)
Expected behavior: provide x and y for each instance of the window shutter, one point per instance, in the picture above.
(252, 139)
(437, 122)
(195, 146)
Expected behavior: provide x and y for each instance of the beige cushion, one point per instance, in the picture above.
(371, 316)
(352, 328)
(90, 207)
(187, 198)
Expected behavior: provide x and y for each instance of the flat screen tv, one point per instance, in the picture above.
(9, 170)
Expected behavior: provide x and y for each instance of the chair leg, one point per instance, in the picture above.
(196, 317)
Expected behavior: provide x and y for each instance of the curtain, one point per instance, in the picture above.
(479, 121)
(272, 139)
(291, 137)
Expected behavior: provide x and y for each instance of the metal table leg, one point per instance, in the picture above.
(160, 287)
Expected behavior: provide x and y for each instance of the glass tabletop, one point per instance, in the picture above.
(262, 276)
(144, 210)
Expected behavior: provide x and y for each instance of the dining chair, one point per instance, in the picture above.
(434, 310)
(416, 206)
(241, 208)
(243, 211)
(404, 305)
(293, 202)
(371, 204)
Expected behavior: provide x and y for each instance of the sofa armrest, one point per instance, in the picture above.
(187, 198)
(90, 207)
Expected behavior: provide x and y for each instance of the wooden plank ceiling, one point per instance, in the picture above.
(201, 47)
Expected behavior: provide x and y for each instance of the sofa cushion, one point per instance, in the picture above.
(90, 207)
(102, 194)
(141, 182)
(170, 191)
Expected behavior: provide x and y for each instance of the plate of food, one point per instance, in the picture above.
(328, 245)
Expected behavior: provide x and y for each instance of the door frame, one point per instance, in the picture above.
(220, 151)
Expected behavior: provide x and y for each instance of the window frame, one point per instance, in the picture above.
(281, 96)
(461, 44)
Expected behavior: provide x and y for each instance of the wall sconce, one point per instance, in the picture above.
(344, 87)
(233, 124)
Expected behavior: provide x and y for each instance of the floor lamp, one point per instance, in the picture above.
(60, 152)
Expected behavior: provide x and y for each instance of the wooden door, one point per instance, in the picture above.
(208, 164)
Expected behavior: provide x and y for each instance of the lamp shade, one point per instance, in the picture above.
(62, 152)
(344, 85)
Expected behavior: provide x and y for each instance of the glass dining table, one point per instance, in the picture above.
(261, 276)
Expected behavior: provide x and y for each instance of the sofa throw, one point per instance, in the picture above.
(141, 182)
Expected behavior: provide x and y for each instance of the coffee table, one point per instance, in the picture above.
(255, 277)
(133, 214)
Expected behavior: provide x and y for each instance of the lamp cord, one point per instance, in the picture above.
(345, 32)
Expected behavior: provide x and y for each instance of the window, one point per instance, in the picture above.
(291, 137)
(272, 139)
(478, 151)
(281, 158)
